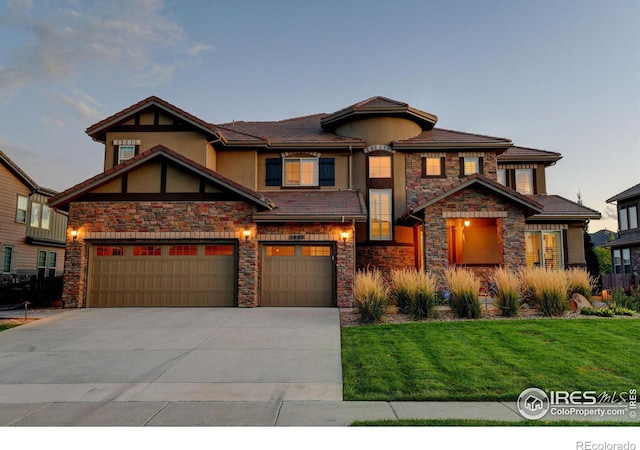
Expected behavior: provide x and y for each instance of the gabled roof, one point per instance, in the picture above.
(314, 206)
(524, 154)
(559, 208)
(476, 180)
(297, 131)
(64, 198)
(441, 138)
(633, 191)
(22, 176)
(624, 241)
(379, 106)
(98, 130)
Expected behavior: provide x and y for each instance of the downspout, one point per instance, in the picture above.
(349, 163)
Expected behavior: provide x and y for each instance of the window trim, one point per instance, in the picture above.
(11, 258)
(463, 164)
(560, 248)
(25, 210)
(120, 147)
(628, 217)
(442, 173)
(316, 171)
(530, 181)
(389, 194)
(620, 267)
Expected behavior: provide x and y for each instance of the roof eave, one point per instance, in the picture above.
(262, 218)
(449, 145)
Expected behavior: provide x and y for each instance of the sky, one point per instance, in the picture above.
(557, 75)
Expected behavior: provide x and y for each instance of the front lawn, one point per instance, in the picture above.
(489, 360)
(6, 327)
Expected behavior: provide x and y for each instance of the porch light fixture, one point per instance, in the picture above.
(467, 223)
(74, 234)
(344, 235)
(246, 234)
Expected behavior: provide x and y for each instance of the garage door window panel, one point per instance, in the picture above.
(218, 250)
(147, 250)
(183, 250)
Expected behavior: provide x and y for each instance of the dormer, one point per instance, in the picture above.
(153, 122)
(523, 169)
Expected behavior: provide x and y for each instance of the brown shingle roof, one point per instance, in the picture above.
(523, 154)
(22, 175)
(314, 206)
(439, 137)
(64, 198)
(97, 130)
(627, 193)
(557, 207)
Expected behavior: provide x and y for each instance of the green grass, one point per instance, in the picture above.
(487, 423)
(488, 360)
(6, 327)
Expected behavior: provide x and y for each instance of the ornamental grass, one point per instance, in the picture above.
(506, 286)
(546, 289)
(414, 291)
(371, 296)
(464, 288)
(580, 281)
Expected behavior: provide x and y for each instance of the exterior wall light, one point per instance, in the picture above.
(74, 234)
(246, 234)
(467, 223)
(344, 235)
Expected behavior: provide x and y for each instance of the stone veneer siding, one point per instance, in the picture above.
(385, 257)
(475, 203)
(160, 220)
(417, 188)
(321, 233)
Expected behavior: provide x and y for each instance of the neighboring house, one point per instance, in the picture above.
(625, 249)
(32, 235)
(188, 213)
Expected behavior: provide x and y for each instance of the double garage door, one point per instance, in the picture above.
(172, 275)
(162, 275)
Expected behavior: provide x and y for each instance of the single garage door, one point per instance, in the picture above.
(297, 275)
(162, 275)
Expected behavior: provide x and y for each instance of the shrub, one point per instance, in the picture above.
(580, 281)
(463, 286)
(506, 290)
(621, 311)
(414, 291)
(547, 289)
(629, 300)
(371, 296)
(602, 312)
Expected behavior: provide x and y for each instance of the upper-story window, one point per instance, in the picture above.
(302, 172)
(470, 165)
(126, 152)
(380, 214)
(40, 216)
(628, 217)
(21, 209)
(521, 180)
(380, 166)
(433, 166)
(36, 209)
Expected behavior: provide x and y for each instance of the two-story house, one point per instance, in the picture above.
(283, 213)
(625, 248)
(32, 234)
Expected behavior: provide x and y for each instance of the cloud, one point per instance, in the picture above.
(79, 103)
(60, 42)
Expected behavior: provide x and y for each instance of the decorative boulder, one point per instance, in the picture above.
(578, 301)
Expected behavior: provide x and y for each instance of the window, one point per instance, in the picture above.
(218, 250)
(53, 262)
(432, 167)
(7, 260)
(622, 261)
(544, 249)
(183, 250)
(524, 181)
(147, 250)
(471, 165)
(379, 166)
(502, 176)
(380, 214)
(316, 251)
(280, 250)
(21, 210)
(106, 250)
(300, 171)
(36, 209)
(46, 217)
(42, 263)
(126, 152)
(628, 218)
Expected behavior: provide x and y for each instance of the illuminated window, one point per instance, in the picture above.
(107, 250)
(379, 166)
(544, 249)
(280, 250)
(471, 165)
(316, 251)
(183, 250)
(218, 250)
(300, 171)
(380, 214)
(524, 181)
(147, 250)
(432, 167)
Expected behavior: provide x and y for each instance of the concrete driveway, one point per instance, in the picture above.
(174, 355)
